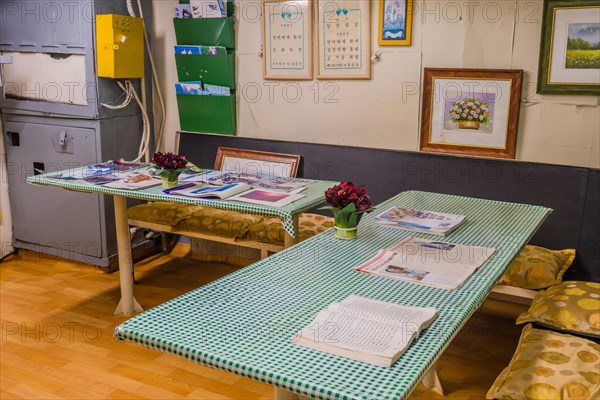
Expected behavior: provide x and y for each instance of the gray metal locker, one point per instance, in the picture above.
(43, 136)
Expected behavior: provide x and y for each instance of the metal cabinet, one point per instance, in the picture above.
(43, 132)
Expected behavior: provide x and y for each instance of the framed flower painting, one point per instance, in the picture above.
(471, 111)
(570, 49)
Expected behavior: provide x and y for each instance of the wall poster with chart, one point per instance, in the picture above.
(343, 39)
(287, 39)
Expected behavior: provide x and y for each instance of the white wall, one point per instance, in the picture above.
(6, 222)
(384, 112)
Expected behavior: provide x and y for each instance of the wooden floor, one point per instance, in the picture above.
(57, 324)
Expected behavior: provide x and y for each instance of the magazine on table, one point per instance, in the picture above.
(256, 181)
(427, 262)
(101, 173)
(135, 180)
(267, 198)
(424, 221)
(366, 330)
(211, 191)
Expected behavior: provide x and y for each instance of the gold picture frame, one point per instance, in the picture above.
(395, 22)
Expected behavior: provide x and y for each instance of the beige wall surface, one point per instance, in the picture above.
(384, 112)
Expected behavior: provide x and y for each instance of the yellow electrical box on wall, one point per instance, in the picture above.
(120, 46)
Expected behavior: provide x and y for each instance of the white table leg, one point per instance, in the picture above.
(431, 380)
(128, 304)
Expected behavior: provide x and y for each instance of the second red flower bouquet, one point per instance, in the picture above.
(348, 204)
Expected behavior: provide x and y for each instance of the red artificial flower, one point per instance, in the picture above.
(345, 193)
(169, 161)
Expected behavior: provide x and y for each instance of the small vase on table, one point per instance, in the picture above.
(348, 204)
(169, 166)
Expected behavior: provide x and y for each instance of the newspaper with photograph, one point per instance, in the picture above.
(427, 262)
(256, 181)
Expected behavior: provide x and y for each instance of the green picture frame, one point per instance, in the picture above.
(565, 67)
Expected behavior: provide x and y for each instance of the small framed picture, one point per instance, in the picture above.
(287, 39)
(471, 111)
(570, 50)
(395, 22)
(343, 39)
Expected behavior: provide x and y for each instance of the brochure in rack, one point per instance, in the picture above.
(366, 330)
(427, 262)
(414, 220)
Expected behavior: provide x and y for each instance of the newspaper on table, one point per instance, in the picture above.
(427, 262)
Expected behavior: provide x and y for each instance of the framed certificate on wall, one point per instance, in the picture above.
(344, 39)
(287, 39)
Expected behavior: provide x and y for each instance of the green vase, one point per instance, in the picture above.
(169, 183)
(345, 233)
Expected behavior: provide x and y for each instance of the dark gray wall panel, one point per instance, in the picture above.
(567, 190)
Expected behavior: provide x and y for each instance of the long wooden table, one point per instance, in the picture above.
(244, 323)
(313, 195)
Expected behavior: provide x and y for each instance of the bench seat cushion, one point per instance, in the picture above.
(271, 231)
(161, 213)
(538, 268)
(550, 366)
(222, 223)
(572, 306)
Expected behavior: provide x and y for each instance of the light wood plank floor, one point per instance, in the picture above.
(57, 343)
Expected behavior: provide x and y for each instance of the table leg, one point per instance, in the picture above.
(288, 240)
(431, 380)
(128, 304)
(282, 394)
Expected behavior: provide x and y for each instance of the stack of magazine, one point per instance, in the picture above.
(427, 262)
(276, 191)
(423, 221)
(117, 174)
(366, 330)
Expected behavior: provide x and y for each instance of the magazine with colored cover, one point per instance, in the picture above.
(211, 191)
(424, 221)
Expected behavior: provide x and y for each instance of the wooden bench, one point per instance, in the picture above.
(233, 160)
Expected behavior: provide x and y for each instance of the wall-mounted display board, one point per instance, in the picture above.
(343, 39)
(287, 39)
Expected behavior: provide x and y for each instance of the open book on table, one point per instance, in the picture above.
(366, 330)
(208, 191)
(427, 262)
(414, 220)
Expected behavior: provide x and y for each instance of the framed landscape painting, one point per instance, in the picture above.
(471, 111)
(395, 22)
(570, 50)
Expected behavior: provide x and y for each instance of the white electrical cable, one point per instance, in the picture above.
(158, 141)
(130, 9)
(130, 93)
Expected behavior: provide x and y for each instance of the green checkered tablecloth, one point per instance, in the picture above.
(244, 322)
(313, 196)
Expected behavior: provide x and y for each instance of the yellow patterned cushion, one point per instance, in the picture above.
(572, 305)
(169, 214)
(538, 268)
(271, 230)
(211, 221)
(550, 366)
